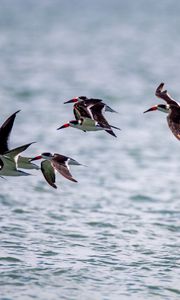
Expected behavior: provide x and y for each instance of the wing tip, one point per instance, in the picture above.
(111, 133)
(54, 185)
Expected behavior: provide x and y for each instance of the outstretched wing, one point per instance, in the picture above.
(81, 111)
(165, 96)
(14, 153)
(83, 108)
(24, 162)
(62, 168)
(98, 116)
(5, 131)
(48, 172)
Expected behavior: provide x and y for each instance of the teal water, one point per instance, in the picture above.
(114, 235)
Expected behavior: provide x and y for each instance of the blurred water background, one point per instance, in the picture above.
(115, 234)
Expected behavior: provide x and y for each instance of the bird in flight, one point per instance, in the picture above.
(5, 131)
(89, 115)
(8, 162)
(55, 162)
(172, 108)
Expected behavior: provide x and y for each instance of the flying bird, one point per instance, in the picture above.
(55, 162)
(89, 101)
(172, 108)
(8, 162)
(5, 131)
(92, 109)
(85, 124)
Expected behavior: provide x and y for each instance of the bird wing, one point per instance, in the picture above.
(98, 116)
(66, 159)
(62, 168)
(7, 163)
(14, 153)
(81, 111)
(8, 167)
(90, 103)
(83, 108)
(48, 172)
(25, 163)
(165, 96)
(5, 131)
(173, 120)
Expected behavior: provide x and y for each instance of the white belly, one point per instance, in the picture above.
(87, 128)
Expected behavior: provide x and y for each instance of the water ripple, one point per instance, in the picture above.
(115, 234)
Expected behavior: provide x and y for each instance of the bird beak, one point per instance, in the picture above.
(36, 157)
(63, 126)
(71, 101)
(151, 109)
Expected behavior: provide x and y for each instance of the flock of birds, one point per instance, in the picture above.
(89, 116)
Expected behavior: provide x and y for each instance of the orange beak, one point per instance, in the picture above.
(71, 101)
(36, 157)
(151, 109)
(63, 126)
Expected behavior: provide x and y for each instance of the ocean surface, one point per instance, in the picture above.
(116, 233)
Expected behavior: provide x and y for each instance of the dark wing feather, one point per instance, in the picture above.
(98, 116)
(165, 96)
(48, 172)
(80, 110)
(63, 170)
(174, 121)
(16, 151)
(5, 131)
(92, 101)
(61, 159)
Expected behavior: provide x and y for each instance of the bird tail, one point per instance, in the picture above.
(73, 162)
(25, 163)
(115, 127)
(108, 108)
(21, 173)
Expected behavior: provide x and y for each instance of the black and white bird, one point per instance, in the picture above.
(8, 162)
(84, 124)
(90, 101)
(5, 131)
(55, 162)
(85, 109)
(172, 108)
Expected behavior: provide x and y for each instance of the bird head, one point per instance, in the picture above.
(76, 99)
(47, 155)
(44, 155)
(162, 107)
(72, 123)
